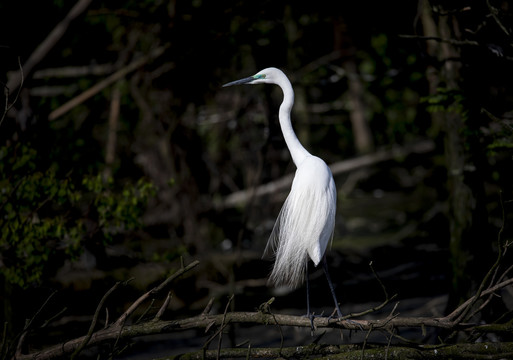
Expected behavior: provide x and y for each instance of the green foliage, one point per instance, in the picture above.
(43, 215)
(444, 100)
(117, 211)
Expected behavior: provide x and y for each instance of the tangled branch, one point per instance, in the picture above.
(119, 330)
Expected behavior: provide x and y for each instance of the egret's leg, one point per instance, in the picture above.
(308, 313)
(325, 267)
(307, 292)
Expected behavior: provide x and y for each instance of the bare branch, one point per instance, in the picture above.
(110, 151)
(7, 92)
(163, 307)
(219, 343)
(104, 83)
(460, 314)
(337, 168)
(121, 320)
(95, 320)
(30, 322)
(494, 12)
(75, 71)
(486, 292)
(207, 308)
(438, 39)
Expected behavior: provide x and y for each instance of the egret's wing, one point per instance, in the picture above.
(305, 224)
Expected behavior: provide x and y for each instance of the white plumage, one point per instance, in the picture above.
(305, 224)
(307, 219)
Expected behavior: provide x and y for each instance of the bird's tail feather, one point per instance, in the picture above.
(290, 259)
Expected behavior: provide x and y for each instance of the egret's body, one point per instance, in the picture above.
(306, 221)
(305, 224)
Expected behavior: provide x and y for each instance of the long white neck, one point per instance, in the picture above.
(297, 151)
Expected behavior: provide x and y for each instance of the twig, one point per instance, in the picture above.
(211, 338)
(153, 292)
(491, 273)
(95, 320)
(222, 326)
(145, 312)
(493, 12)
(438, 39)
(496, 119)
(207, 308)
(248, 356)
(463, 306)
(74, 71)
(502, 252)
(175, 275)
(163, 307)
(104, 83)
(47, 321)
(371, 310)
(106, 318)
(6, 93)
(387, 349)
(265, 308)
(29, 323)
(365, 341)
(379, 281)
(314, 65)
(110, 148)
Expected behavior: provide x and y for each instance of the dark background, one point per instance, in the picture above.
(351, 64)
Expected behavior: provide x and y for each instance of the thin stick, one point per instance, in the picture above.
(379, 280)
(121, 320)
(222, 326)
(491, 273)
(104, 83)
(488, 291)
(95, 320)
(207, 308)
(163, 307)
(146, 311)
(29, 323)
(7, 90)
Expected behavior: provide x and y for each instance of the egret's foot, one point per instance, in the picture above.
(312, 316)
(336, 311)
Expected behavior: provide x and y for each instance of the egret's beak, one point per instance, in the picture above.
(241, 81)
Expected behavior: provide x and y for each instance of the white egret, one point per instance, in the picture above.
(306, 221)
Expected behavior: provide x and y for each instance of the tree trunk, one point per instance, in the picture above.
(362, 134)
(467, 214)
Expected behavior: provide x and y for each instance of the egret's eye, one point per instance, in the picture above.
(259, 76)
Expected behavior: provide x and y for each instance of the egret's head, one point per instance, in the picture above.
(267, 76)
